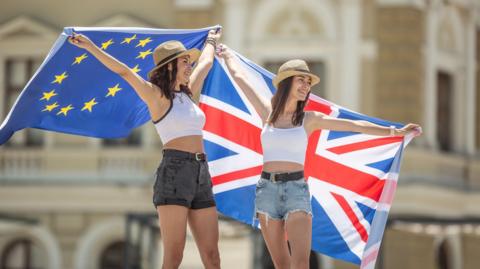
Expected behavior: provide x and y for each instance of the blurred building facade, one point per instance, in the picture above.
(402, 60)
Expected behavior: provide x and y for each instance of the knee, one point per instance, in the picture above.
(172, 259)
(282, 263)
(300, 263)
(212, 257)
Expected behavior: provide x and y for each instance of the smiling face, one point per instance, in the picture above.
(300, 88)
(184, 70)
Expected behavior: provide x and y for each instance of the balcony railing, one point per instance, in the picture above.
(67, 165)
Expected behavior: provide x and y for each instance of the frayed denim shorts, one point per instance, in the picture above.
(279, 199)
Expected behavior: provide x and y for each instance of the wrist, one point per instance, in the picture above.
(392, 130)
(212, 41)
(228, 56)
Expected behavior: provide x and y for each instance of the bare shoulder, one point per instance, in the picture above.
(156, 98)
(312, 116)
(313, 120)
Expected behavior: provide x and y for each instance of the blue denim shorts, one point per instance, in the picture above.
(278, 199)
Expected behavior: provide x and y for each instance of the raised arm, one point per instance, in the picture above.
(260, 103)
(143, 88)
(317, 120)
(205, 62)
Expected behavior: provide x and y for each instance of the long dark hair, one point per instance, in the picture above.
(165, 80)
(279, 100)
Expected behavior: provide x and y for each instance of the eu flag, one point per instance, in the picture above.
(72, 92)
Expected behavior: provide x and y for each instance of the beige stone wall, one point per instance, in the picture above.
(368, 80)
(369, 18)
(88, 12)
(408, 250)
(344, 265)
(471, 250)
(400, 76)
(75, 216)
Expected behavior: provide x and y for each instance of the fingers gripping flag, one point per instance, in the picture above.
(72, 92)
(352, 176)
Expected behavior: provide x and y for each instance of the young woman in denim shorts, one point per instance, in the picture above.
(282, 201)
(183, 188)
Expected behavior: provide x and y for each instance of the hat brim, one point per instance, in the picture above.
(290, 73)
(193, 53)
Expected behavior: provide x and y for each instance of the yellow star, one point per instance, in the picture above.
(129, 39)
(60, 78)
(136, 69)
(89, 105)
(144, 54)
(105, 45)
(51, 107)
(48, 95)
(80, 58)
(64, 110)
(143, 42)
(112, 91)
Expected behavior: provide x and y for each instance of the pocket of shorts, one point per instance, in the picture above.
(261, 183)
(155, 177)
(166, 178)
(301, 183)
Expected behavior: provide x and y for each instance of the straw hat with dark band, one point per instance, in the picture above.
(170, 50)
(294, 68)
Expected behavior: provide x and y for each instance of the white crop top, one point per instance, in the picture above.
(183, 118)
(289, 144)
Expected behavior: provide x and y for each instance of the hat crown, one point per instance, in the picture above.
(294, 65)
(167, 49)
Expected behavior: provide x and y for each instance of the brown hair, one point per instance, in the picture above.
(165, 80)
(279, 100)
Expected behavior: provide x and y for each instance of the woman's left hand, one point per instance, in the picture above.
(215, 34)
(410, 128)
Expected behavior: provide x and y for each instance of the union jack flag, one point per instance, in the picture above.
(352, 177)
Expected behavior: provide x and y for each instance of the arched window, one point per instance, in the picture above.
(444, 259)
(18, 71)
(444, 111)
(23, 254)
(112, 257)
(478, 90)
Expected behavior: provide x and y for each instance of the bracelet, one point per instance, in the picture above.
(392, 130)
(212, 42)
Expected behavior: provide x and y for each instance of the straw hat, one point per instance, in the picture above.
(293, 68)
(170, 50)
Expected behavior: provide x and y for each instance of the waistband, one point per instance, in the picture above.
(282, 177)
(198, 156)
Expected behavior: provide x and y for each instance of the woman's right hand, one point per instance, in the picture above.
(224, 51)
(80, 41)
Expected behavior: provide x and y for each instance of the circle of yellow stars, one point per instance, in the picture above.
(111, 91)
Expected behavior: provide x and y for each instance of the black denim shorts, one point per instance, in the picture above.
(183, 180)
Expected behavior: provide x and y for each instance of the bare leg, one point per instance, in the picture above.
(299, 230)
(274, 234)
(173, 226)
(204, 226)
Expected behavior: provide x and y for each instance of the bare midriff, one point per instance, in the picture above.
(191, 143)
(282, 167)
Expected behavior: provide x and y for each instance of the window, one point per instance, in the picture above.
(112, 256)
(444, 257)
(23, 254)
(316, 67)
(17, 73)
(133, 140)
(444, 111)
(478, 92)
